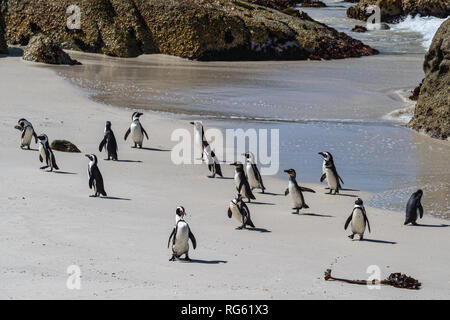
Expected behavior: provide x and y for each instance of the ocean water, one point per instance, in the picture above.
(354, 108)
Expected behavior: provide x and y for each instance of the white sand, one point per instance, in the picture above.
(48, 222)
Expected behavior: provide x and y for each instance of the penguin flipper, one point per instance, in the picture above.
(23, 132)
(170, 237)
(349, 219)
(35, 137)
(323, 177)
(230, 214)
(304, 189)
(102, 144)
(420, 210)
(91, 180)
(40, 158)
(341, 179)
(218, 169)
(191, 236)
(250, 222)
(144, 132)
(127, 133)
(286, 192)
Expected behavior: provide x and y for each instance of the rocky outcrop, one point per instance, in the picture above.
(395, 10)
(3, 45)
(194, 29)
(275, 4)
(313, 4)
(359, 29)
(46, 50)
(432, 112)
(64, 146)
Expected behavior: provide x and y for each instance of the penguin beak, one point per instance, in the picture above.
(233, 164)
(322, 154)
(192, 123)
(287, 171)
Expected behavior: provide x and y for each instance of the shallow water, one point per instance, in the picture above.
(345, 107)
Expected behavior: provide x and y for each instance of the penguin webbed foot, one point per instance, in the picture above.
(187, 258)
(44, 167)
(173, 258)
(351, 236)
(361, 237)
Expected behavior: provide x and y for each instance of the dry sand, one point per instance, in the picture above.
(48, 222)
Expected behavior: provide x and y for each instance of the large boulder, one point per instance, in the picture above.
(3, 45)
(46, 50)
(432, 112)
(194, 29)
(395, 10)
(276, 4)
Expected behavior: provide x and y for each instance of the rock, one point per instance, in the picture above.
(394, 10)
(3, 45)
(432, 112)
(276, 4)
(193, 29)
(46, 50)
(64, 146)
(359, 29)
(313, 4)
(415, 93)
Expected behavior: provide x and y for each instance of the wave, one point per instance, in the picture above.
(404, 114)
(426, 26)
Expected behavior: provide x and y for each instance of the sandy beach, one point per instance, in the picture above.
(120, 242)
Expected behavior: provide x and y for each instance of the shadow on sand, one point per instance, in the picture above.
(262, 230)
(432, 225)
(262, 203)
(314, 215)
(115, 198)
(377, 241)
(204, 261)
(64, 172)
(133, 161)
(155, 149)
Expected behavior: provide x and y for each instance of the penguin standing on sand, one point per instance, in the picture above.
(414, 204)
(330, 173)
(212, 161)
(296, 191)
(358, 218)
(241, 182)
(181, 234)
(109, 143)
(240, 211)
(27, 133)
(253, 176)
(137, 131)
(199, 137)
(95, 177)
(46, 154)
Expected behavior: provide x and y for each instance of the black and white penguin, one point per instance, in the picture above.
(211, 161)
(414, 204)
(199, 137)
(359, 219)
(253, 176)
(27, 133)
(330, 173)
(181, 234)
(241, 182)
(109, 143)
(296, 191)
(240, 211)
(95, 177)
(46, 154)
(137, 130)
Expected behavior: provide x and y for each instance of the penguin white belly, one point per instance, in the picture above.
(182, 237)
(358, 223)
(42, 153)
(253, 181)
(237, 181)
(136, 133)
(198, 141)
(26, 140)
(331, 179)
(295, 195)
(235, 211)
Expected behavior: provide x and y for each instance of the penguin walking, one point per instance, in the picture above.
(137, 130)
(330, 173)
(181, 234)
(414, 204)
(240, 211)
(27, 133)
(199, 137)
(296, 191)
(241, 182)
(109, 143)
(95, 177)
(212, 161)
(46, 154)
(359, 219)
(253, 175)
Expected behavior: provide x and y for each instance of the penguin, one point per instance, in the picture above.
(414, 204)
(137, 130)
(358, 218)
(253, 175)
(46, 154)
(240, 211)
(296, 191)
(212, 161)
(27, 133)
(181, 234)
(95, 177)
(199, 137)
(330, 173)
(241, 182)
(109, 143)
